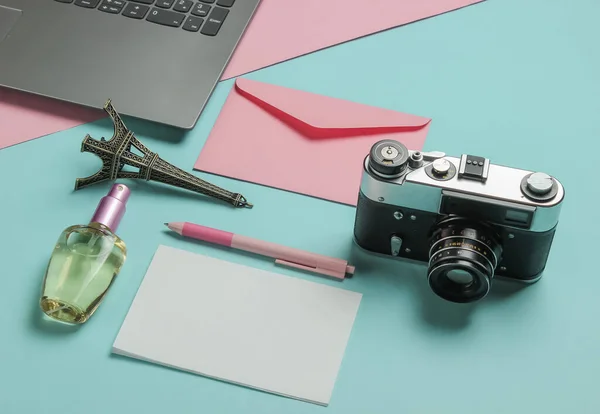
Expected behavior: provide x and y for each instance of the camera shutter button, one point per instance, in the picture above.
(441, 166)
(539, 183)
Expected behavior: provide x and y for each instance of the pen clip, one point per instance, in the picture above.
(326, 272)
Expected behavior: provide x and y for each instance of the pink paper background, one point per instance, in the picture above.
(284, 29)
(24, 117)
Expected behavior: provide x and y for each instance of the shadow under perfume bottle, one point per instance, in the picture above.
(85, 261)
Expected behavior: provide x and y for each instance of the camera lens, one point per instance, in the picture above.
(462, 259)
(460, 276)
(388, 158)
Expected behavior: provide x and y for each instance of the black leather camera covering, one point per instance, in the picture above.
(524, 255)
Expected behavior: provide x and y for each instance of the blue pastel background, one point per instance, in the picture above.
(515, 80)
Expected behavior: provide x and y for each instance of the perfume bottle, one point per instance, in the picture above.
(85, 261)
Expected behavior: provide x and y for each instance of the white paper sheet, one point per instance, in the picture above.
(239, 324)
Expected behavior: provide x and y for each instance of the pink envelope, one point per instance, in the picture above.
(302, 142)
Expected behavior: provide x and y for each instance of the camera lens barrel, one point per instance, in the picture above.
(388, 158)
(463, 256)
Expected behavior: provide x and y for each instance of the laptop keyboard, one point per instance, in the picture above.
(206, 16)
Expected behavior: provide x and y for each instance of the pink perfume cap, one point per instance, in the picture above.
(111, 208)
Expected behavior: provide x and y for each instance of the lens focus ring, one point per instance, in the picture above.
(460, 245)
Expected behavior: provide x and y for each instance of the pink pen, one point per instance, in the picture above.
(286, 256)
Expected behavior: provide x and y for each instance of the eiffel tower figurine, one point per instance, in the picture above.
(116, 152)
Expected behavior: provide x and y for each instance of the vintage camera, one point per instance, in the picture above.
(467, 218)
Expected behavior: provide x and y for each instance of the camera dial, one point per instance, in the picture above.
(441, 166)
(388, 158)
(441, 169)
(539, 186)
(539, 183)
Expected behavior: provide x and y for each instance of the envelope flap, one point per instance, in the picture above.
(325, 116)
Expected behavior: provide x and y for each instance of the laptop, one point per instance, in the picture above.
(157, 60)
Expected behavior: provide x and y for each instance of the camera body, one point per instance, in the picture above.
(467, 218)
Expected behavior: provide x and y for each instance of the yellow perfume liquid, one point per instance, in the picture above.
(84, 263)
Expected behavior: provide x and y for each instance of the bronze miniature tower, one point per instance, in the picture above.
(116, 152)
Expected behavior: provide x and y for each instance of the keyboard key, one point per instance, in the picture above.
(135, 11)
(65, 1)
(116, 3)
(183, 5)
(214, 22)
(165, 17)
(144, 1)
(165, 4)
(193, 24)
(109, 8)
(90, 4)
(208, 1)
(225, 3)
(201, 10)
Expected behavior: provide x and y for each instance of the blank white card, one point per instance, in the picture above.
(239, 324)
